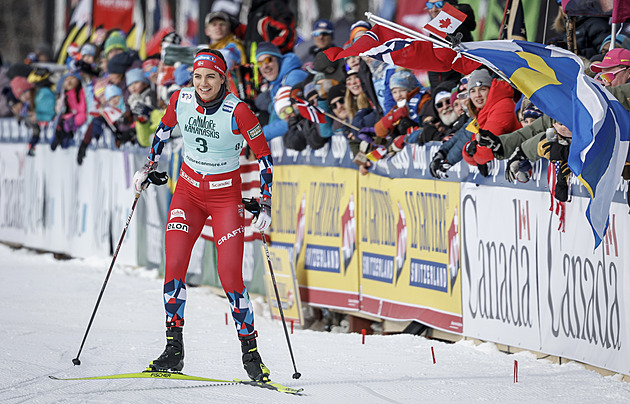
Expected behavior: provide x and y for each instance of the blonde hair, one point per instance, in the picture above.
(354, 104)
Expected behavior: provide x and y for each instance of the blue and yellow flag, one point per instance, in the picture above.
(554, 80)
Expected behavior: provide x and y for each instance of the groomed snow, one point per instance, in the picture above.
(47, 303)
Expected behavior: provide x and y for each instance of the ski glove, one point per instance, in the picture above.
(491, 141)
(439, 166)
(556, 151)
(261, 212)
(147, 175)
(518, 167)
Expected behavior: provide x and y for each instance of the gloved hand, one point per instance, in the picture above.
(397, 145)
(386, 125)
(491, 141)
(436, 164)
(141, 111)
(556, 151)
(140, 178)
(626, 171)
(518, 167)
(68, 124)
(471, 148)
(261, 210)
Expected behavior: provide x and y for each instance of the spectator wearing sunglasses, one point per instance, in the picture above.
(277, 70)
(303, 132)
(322, 38)
(434, 7)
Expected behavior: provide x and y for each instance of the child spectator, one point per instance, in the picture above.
(72, 110)
(35, 107)
(142, 101)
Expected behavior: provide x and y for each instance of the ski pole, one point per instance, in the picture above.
(253, 206)
(297, 374)
(76, 360)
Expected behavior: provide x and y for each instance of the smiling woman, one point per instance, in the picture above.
(214, 124)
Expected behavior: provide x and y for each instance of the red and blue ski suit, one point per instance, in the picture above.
(209, 184)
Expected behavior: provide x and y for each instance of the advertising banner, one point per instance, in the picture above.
(584, 311)
(315, 221)
(408, 238)
(286, 283)
(499, 263)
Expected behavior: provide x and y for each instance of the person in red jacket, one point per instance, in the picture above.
(214, 125)
(491, 103)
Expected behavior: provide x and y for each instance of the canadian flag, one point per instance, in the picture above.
(446, 22)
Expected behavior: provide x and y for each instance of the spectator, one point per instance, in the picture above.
(142, 101)
(621, 41)
(277, 70)
(590, 33)
(71, 109)
(269, 21)
(218, 30)
(119, 64)
(121, 121)
(6, 96)
(491, 104)
(35, 106)
(114, 44)
(355, 98)
(336, 101)
(322, 39)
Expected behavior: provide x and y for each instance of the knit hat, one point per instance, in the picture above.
(115, 40)
(309, 90)
(403, 79)
(357, 28)
(120, 63)
(133, 75)
(19, 85)
(479, 78)
(112, 91)
(336, 91)
(282, 99)
(621, 41)
(150, 66)
(182, 75)
(88, 50)
(531, 111)
(267, 48)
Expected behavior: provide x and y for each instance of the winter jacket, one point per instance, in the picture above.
(77, 107)
(45, 104)
(497, 116)
(452, 148)
(289, 75)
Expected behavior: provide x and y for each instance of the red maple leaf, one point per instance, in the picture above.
(445, 23)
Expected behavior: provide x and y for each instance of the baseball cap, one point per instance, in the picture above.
(217, 14)
(614, 57)
(323, 26)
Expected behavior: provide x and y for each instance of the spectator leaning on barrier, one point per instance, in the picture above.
(491, 103)
(71, 109)
(142, 101)
(36, 106)
(438, 121)
(278, 70)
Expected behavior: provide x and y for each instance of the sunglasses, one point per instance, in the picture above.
(286, 112)
(608, 77)
(444, 103)
(266, 60)
(336, 104)
(438, 4)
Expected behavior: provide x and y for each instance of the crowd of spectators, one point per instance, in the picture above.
(107, 88)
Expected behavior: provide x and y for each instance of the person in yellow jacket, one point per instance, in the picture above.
(219, 31)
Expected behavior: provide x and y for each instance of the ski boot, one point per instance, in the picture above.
(172, 359)
(256, 370)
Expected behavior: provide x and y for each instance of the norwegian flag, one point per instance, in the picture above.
(349, 237)
(446, 22)
(401, 241)
(310, 111)
(397, 49)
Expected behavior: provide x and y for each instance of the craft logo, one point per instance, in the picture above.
(255, 131)
(200, 125)
(178, 213)
(177, 226)
(230, 235)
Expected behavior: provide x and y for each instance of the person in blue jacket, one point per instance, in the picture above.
(278, 70)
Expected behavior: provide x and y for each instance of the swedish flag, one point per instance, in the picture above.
(554, 80)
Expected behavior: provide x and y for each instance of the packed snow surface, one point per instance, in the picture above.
(47, 304)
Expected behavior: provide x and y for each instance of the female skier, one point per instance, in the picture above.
(213, 123)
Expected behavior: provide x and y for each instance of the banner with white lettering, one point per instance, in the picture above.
(584, 312)
(409, 249)
(314, 218)
(499, 255)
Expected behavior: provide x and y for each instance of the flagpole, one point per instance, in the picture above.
(340, 121)
(439, 42)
